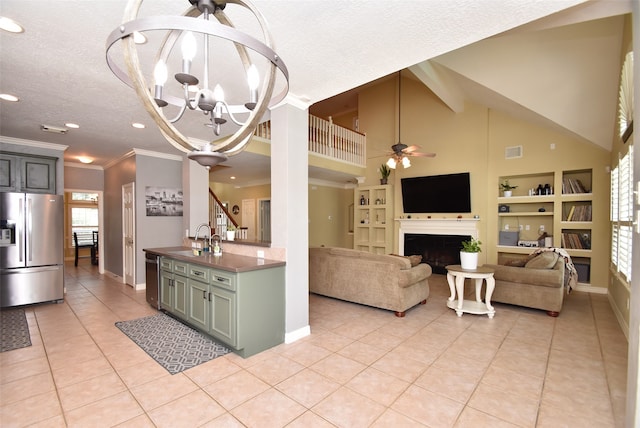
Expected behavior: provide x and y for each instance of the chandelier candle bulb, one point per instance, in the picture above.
(160, 76)
(189, 48)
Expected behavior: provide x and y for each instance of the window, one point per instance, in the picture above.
(622, 214)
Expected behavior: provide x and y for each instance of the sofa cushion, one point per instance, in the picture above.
(399, 262)
(540, 277)
(545, 260)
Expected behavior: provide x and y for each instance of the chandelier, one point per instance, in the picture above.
(204, 33)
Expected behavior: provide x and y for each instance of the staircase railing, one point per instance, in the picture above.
(220, 219)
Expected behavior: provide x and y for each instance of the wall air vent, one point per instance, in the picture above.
(53, 129)
(513, 152)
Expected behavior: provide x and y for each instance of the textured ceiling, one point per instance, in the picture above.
(57, 66)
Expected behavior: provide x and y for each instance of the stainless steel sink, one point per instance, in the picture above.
(188, 253)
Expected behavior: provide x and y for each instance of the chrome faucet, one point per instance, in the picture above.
(201, 226)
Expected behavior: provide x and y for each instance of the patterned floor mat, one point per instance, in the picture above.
(14, 330)
(175, 346)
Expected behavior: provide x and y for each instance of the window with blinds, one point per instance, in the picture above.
(622, 214)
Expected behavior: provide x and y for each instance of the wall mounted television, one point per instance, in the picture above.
(448, 193)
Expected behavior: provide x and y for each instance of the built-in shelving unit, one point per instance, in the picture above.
(565, 215)
(373, 218)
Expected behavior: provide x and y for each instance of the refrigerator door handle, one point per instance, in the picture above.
(30, 229)
(20, 227)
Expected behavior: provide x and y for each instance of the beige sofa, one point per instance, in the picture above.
(383, 281)
(538, 285)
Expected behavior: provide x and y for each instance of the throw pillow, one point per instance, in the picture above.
(516, 262)
(414, 260)
(546, 260)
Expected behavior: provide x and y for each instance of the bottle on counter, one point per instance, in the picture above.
(540, 190)
(547, 189)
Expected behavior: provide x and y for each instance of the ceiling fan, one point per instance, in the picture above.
(400, 152)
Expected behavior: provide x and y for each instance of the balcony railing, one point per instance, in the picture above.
(329, 140)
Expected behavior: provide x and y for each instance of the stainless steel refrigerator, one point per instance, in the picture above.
(31, 248)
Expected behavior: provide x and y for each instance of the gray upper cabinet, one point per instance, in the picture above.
(8, 173)
(24, 173)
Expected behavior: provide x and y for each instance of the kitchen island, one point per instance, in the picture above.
(238, 300)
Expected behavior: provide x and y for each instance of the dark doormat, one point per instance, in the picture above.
(14, 329)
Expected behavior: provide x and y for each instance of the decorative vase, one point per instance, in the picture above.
(507, 193)
(231, 234)
(468, 260)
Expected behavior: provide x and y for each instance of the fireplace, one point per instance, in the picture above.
(437, 241)
(437, 251)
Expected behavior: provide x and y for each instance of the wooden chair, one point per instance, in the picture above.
(94, 247)
(85, 241)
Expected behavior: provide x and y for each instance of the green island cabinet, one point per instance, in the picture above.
(243, 310)
(173, 287)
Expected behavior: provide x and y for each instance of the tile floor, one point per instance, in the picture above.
(360, 367)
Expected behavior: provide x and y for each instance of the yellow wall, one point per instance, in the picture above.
(474, 141)
(329, 216)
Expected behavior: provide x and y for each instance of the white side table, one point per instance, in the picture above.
(470, 306)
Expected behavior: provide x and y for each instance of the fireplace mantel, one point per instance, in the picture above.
(444, 226)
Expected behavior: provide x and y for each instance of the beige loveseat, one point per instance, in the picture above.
(540, 284)
(383, 281)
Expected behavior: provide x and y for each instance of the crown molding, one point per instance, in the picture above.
(335, 184)
(82, 165)
(33, 143)
(144, 152)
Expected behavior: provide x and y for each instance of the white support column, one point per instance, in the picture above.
(195, 191)
(289, 208)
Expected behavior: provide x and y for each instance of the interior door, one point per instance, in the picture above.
(128, 234)
(249, 217)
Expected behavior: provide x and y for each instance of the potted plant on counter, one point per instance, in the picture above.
(469, 254)
(507, 188)
(385, 171)
(231, 232)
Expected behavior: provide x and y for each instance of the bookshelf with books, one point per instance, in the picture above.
(565, 217)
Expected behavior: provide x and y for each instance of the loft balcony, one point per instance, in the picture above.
(329, 141)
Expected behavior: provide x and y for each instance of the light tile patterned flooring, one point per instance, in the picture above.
(359, 367)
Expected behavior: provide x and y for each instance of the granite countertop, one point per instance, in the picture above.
(227, 261)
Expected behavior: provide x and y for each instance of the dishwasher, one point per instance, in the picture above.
(153, 279)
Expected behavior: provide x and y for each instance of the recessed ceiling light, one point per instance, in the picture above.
(233, 177)
(72, 125)
(138, 125)
(9, 97)
(85, 159)
(8, 24)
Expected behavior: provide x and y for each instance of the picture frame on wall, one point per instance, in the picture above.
(163, 201)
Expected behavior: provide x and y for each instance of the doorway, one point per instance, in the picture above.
(84, 213)
(128, 234)
(264, 220)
